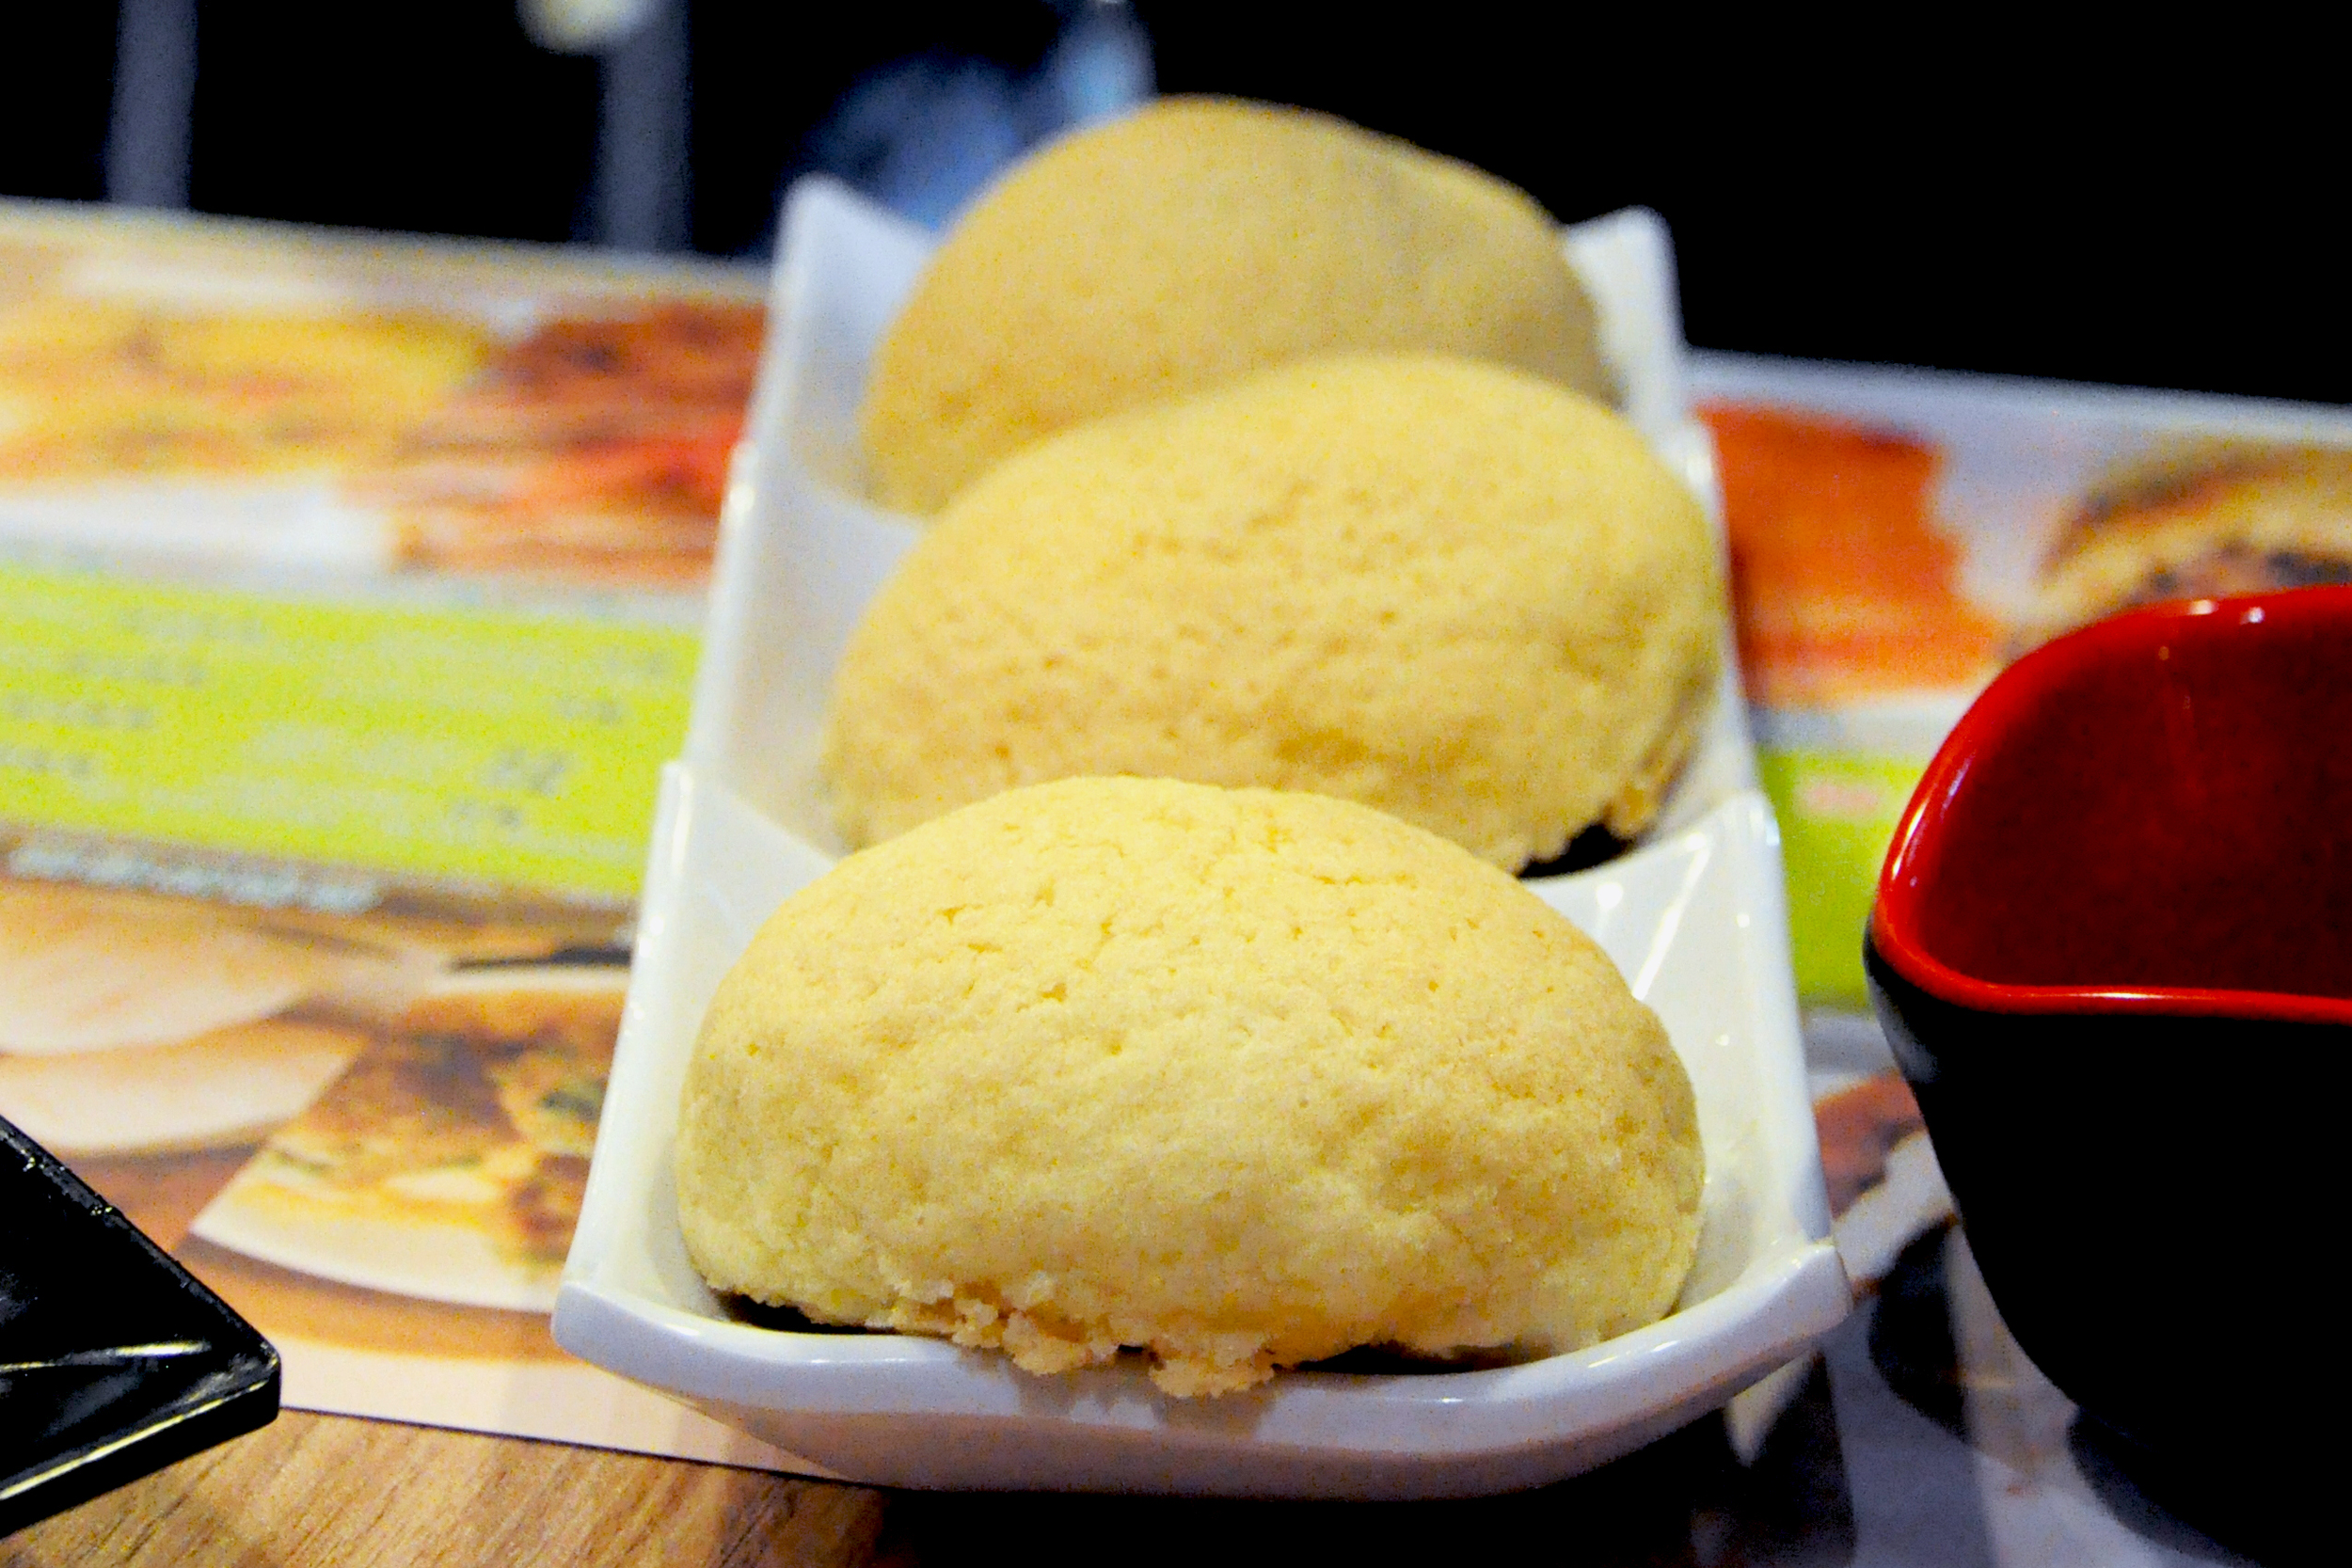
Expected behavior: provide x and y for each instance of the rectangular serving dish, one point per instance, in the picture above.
(1694, 916)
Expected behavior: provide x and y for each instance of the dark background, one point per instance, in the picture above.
(2157, 210)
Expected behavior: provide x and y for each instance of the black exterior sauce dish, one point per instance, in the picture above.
(2112, 952)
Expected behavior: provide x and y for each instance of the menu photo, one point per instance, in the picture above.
(1896, 538)
(348, 596)
(1899, 536)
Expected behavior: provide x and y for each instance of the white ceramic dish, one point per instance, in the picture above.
(1694, 916)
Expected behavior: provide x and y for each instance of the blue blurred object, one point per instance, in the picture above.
(923, 135)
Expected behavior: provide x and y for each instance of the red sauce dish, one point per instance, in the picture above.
(2112, 949)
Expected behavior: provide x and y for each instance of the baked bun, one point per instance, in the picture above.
(1449, 590)
(1239, 1078)
(1191, 242)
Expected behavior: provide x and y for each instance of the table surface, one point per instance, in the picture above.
(323, 1489)
(330, 1489)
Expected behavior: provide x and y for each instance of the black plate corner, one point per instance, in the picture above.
(114, 1360)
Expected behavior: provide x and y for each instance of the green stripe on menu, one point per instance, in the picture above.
(470, 745)
(1837, 812)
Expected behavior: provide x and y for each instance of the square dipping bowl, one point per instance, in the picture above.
(2112, 949)
(1693, 915)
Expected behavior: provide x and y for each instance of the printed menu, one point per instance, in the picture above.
(348, 602)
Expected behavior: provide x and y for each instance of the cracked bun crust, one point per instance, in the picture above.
(1236, 1078)
(1192, 243)
(1446, 589)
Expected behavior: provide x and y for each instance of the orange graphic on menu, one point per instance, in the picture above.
(1843, 585)
(597, 447)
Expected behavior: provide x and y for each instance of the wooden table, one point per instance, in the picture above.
(330, 1489)
(333, 1490)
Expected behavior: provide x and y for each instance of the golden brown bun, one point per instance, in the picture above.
(1243, 1079)
(1194, 241)
(1446, 589)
